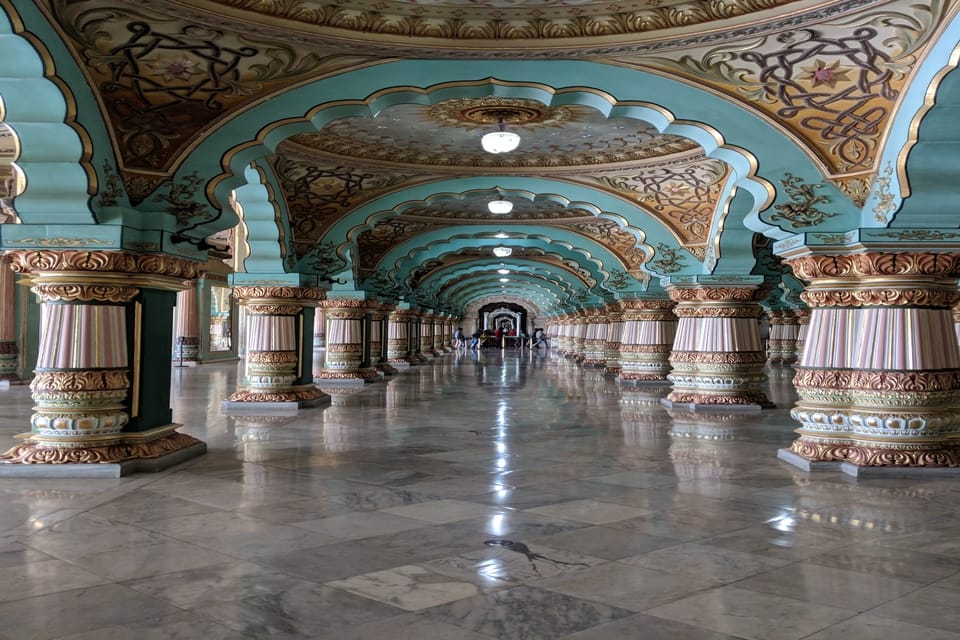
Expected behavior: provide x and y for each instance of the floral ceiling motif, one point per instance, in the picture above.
(834, 85)
(318, 196)
(164, 79)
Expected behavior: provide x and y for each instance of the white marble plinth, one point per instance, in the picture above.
(102, 470)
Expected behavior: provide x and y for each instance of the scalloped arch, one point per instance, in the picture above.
(722, 128)
(49, 152)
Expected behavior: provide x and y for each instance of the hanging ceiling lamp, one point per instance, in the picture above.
(502, 252)
(500, 206)
(503, 272)
(500, 141)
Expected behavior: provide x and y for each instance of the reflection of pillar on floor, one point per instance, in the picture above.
(102, 384)
(717, 355)
(187, 341)
(9, 356)
(611, 348)
(279, 325)
(649, 327)
(398, 338)
(345, 343)
(880, 373)
(644, 421)
(319, 329)
(595, 339)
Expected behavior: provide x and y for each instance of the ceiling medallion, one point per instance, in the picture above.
(493, 110)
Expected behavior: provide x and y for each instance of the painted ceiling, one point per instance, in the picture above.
(375, 173)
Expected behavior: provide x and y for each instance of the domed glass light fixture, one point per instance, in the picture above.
(500, 141)
(503, 272)
(500, 206)
(502, 252)
(504, 279)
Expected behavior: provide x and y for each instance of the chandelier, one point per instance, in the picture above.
(502, 252)
(500, 141)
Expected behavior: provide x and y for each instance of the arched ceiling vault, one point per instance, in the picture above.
(657, 138)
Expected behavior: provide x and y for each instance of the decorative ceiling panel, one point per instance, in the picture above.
(616, 239)
(448, 135)
(163, 79)
(834, 85)
(501, 20)
(474, 210)
(318, 196)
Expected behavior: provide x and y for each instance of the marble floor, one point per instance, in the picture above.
(481, 496)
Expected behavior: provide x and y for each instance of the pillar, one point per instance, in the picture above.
(880, 373)
(378, 343)
(784, 329)
(398, 338)
(347, 342)
(426, 336)
(717, 356)
(579, 335)
(611, 348)
(9, 355)
(649, 327)
(187, 340)
(279, 339)
(595, 338)
(319, 329)
(803, 323)
(565, 335)
(956, 321)
(102, 381)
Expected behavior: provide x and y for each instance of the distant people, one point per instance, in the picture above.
(475, 340)
(539, 337)
(459, 341)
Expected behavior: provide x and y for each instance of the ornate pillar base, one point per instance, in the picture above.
(360, 376)
(879, 378)
(187, 350)
(299, 394)
(400, 364)
(9, 361)
(717, 355)
(153, 450)
(387, 369)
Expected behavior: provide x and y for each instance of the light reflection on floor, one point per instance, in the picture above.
(400, 511)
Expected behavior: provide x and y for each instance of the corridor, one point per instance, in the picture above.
(515, 496)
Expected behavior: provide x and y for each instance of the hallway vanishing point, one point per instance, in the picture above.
(514, 496)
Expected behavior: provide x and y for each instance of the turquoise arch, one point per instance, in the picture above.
(451, 289)
(522, 286)
(405, 257)
(731, 129)
(934, 154)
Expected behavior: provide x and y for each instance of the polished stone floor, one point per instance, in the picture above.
(479, 496)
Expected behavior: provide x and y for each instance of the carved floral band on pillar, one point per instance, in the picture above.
(345, 340)
(880, 372)
(649, 327)
(84, 372)
(273, 354)
(611, 348)
(9, 355)
(187, 346)
(717, 355)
